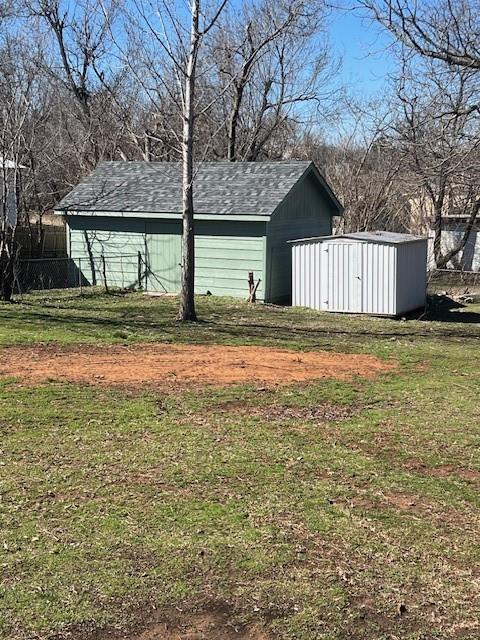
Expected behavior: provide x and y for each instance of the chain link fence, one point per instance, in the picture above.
(108, 271)
(453, 280)
(130, 271)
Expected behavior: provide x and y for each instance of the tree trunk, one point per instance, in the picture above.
(91, 258)
(147, 151)
(7, 262)
(437, 235)
(7, 277)
(437, 222)
(6, 243)
(186, 311)
(239, 88)
(232, 126)
(443, 260)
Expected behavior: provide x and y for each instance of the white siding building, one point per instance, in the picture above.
(468, 259)
(379, 273)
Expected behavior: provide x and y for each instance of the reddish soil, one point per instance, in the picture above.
(164, 364)
(200, 627)
(215, 624)
(443, 471)
(323, 412)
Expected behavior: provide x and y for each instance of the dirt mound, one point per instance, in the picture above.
(164, 364)
(213, 624)
(206, 626)
(323, 412)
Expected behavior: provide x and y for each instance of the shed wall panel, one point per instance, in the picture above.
(378, 279)
(345, 262)
(307, 262)
(412, 276)
(359, 276)
(163, 255)
(225, 253)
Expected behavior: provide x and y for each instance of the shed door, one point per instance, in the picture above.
(164, 254)
(345, 277)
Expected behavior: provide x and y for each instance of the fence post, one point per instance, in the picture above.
(104, 270)
(139, 270)
(80, 275)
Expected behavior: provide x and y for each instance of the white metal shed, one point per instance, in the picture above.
(377, 272)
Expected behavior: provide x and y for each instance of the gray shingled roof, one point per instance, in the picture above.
(221, 188)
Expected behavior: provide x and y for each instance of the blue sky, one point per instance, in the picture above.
(360, 42)
(363, 47)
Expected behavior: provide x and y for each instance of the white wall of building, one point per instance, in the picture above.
(469, 258)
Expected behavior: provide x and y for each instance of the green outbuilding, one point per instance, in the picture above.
(244, 215)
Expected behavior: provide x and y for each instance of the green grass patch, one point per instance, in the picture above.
(115, 502)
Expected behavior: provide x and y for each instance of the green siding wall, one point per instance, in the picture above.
(305, 212)
(224, 254)
(120, 249)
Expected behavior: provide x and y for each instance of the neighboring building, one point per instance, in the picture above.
(244, 215)
(376, 272)
(454, 225)
(42, 236)
(453, 230)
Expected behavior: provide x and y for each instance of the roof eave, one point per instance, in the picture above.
(161, 215)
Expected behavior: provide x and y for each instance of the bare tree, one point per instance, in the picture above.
(273, 59)
(445, 30)
(438, 91)
(78, 63)
(17, 87)
(189, 114)
(187, 301)
(168, 46)
(439, 132)
(364, 166)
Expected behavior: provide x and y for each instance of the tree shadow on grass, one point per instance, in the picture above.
(217, 331)
(442, 308)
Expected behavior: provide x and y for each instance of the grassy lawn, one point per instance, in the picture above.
(323, 511)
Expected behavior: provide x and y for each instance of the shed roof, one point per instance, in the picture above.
(221, 188)
(384, 237)
(378, 237)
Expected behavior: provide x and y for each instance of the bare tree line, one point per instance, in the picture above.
(437, 100)
(159, 81)
(156, 80)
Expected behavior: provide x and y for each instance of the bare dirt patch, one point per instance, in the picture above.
(324, 412)
(443, 471)
(215, 624)
(164, 364)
